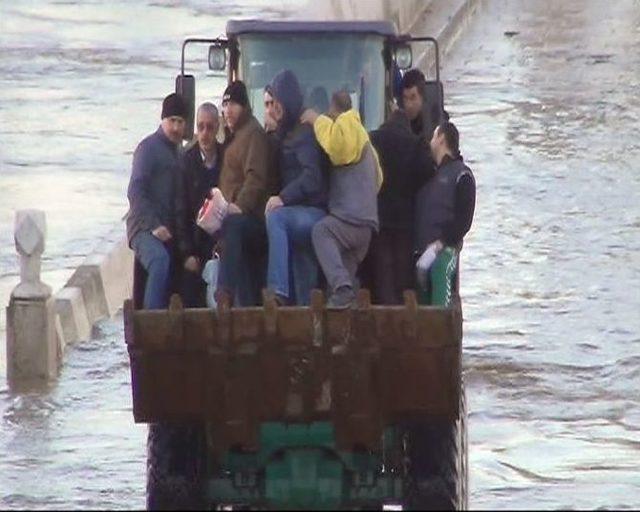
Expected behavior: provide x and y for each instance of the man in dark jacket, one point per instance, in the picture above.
(245, 182)
(406, 163)
(446, 203)
(151, 221)
(301, 201)
(413, 101)
(201, 172)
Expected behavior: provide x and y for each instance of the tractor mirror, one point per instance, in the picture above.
(186, 87)
(403, 56)
(217, 58)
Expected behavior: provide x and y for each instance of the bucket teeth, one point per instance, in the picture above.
(363, 299)
(317, 300)
(223, 300)
(410, 300)
(175, 304)
(270, 306)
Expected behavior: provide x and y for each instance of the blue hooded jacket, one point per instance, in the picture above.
(300, 158)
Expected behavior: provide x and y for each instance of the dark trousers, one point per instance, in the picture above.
(391, 266)
(340, 248)
(193, 289)
(243, 259)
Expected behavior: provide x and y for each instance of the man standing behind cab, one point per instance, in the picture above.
(406, 163)
(301, 202)
(245, 182)
(151, 220)
(202, 163)
(414, 89)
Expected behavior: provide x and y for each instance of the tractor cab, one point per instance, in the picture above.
(363, 58)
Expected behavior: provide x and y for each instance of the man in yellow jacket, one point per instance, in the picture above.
(342, 238)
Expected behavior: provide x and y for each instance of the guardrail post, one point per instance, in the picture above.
(32, 344)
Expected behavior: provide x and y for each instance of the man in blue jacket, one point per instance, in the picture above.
(153, 202)
(301, 202)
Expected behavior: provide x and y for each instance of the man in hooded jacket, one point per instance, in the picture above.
(302, 199)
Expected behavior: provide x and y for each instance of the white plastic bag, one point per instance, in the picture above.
(213, 212)
(210, 276)
(424, 264)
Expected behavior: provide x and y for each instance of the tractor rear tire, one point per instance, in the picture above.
(175, 467)
(437, 467)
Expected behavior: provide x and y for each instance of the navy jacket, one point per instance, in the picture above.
(153, 200)
(300, 159)
(301, 162)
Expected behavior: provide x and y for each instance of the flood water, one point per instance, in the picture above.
(546, 96)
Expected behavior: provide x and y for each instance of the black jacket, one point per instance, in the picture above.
(407, 164)
(197, 182)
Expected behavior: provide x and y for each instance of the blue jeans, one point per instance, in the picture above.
(156, 260)
(291, 255)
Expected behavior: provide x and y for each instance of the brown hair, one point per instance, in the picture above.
(341, 101)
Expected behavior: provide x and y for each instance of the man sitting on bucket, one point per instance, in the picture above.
(245, 183)
(151, 221)
(341, 239)
(202, 163)
(302, 199)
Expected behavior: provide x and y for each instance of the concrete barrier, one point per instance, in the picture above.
(442, 19)
(402, 13)
(445, 20)
(97, 289)
(72, 314)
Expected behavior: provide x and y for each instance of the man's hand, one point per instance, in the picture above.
(393, 106)
(309, 116)
(273, 203)
(233, 209)
(192, 264)
(426, 261)
(270, 124)
(162, 234)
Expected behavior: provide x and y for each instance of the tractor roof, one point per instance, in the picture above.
(382, 28)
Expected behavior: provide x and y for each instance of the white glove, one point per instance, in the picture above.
(425, 262)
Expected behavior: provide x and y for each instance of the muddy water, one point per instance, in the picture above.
(546, 98)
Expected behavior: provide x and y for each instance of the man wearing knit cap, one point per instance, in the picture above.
(245, 182)
(153, 202)
(302, 199)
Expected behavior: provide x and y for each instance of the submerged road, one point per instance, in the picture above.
(546, 98)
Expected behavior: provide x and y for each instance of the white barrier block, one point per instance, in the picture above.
(72, 313)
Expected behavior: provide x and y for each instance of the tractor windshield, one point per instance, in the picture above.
(323, 63)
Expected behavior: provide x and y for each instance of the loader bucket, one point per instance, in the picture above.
(361, 369)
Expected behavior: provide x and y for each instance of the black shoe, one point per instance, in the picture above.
(342, 298)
